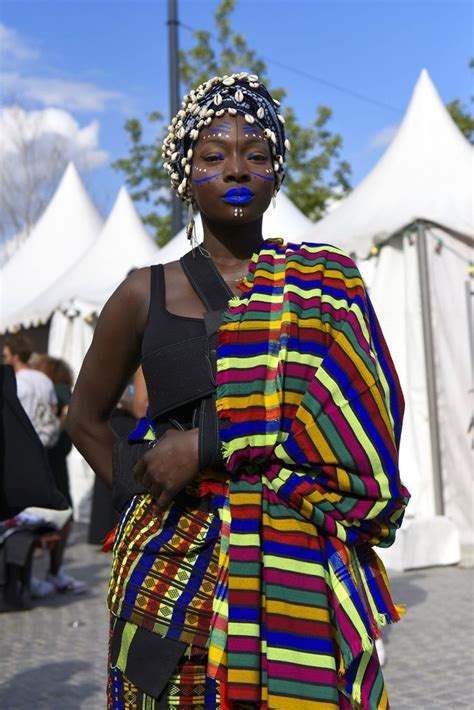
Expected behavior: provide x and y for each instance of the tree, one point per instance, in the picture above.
(316, 175)
(461, 114)
(30, 164)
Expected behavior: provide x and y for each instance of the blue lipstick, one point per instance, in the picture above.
(238, 195)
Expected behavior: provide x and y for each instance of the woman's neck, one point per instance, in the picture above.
(231, 243)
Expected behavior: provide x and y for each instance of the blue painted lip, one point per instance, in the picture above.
(238, 195)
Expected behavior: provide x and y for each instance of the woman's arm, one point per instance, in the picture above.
(140, 395)
(112, 358)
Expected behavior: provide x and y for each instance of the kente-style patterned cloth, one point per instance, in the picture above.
(164, 568)
(188, 687)
(310, 410)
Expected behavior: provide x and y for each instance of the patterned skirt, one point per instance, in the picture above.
(187, 687)
(160, 598)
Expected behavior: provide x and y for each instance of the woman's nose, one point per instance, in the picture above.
(236, 169)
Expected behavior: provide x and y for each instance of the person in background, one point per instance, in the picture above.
(38, 397)
(60, 374)
(35, 389)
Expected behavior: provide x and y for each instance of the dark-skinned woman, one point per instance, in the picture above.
(244, 573)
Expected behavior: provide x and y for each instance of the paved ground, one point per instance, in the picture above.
(53, 656)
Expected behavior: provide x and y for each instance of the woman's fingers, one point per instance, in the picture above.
(163, 501)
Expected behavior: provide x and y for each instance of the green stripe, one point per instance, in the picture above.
(129, 631)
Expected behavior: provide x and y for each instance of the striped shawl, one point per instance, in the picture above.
(310, 412)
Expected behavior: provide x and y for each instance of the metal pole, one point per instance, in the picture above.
(428, 341)
(176, 207)
(469, 295)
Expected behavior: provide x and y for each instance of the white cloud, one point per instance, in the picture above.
(71, 95)
(50, 131)
(383, 137)
(13, 48)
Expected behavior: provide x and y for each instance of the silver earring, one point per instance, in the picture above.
(274, 201)
(191, 228)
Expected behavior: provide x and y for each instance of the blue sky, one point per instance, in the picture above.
(102, 61)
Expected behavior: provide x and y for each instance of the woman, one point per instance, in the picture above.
(252, 584)
(60, 375)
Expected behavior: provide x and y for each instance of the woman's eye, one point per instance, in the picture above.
(213, 157)
(258, 157)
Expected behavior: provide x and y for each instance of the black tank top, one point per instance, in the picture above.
(175, 360)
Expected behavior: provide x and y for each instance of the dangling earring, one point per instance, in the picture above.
(274, 201)
(191, 228)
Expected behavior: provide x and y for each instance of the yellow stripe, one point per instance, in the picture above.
(300, 611)
(294, 565)
(281, 701)
(312, 660)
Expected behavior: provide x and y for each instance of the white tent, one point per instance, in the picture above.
(63, 233)
(425, 173)
(84, 288)
(417, 202)
(285, 220)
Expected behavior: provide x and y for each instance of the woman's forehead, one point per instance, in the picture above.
(228, 127)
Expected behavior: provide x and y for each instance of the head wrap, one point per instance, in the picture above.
(239, 93)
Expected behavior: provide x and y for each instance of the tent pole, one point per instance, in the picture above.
(428, 341)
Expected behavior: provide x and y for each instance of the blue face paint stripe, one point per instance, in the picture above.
(209, 177)
(264, 177)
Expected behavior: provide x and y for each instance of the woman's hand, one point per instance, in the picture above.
(169, 466)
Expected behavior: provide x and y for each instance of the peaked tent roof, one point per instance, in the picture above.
(286, 221)
(123, 244)
(63, 233)
(425, 173)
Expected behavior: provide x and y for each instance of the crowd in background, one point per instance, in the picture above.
(43, 391)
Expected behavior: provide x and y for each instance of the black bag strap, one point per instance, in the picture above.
(206, 280)
(215, 294)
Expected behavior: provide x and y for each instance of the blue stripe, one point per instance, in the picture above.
(300, 643)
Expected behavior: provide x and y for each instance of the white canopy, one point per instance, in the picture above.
(63, 233)
(122, 244)
(426, 173)
(423, 181)
(285, 220)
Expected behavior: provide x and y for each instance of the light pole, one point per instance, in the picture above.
(176, 209)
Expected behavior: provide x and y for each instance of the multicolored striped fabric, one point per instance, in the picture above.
(310, 412)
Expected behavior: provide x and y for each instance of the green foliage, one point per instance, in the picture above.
(316, 174)
(462, 116)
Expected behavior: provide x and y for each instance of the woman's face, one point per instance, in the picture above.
(232, 174)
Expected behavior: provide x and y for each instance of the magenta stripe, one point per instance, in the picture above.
(293, 671)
